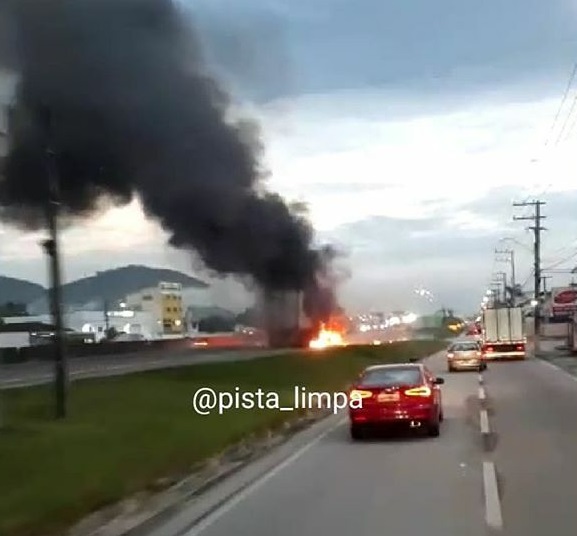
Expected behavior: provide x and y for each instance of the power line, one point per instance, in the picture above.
(526, 280)
(554, 265)
(565, 95)
(556, 120)
(571, 110)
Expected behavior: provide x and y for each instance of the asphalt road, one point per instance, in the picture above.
(506, 463)
(38, 373)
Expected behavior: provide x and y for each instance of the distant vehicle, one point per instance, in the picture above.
(129, 337)
(396, 394)
(503, 333)
(473, 330)
(465, 355)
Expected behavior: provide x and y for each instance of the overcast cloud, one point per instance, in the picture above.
(409, 128)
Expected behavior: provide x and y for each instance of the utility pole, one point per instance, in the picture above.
(496, 294)
(52, 249)
(544, 279)
(536, 218)
(510, 258)
(106, 318)
(502, 280)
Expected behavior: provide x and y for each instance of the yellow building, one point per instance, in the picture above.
(166, 304)
(172, 313)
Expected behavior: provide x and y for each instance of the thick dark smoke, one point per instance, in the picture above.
(133, 114)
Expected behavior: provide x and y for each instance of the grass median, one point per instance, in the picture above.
(125, 433)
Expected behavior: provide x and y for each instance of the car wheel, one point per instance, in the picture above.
(434, 429)
(441, 416)
(450, 368)
(356, 432)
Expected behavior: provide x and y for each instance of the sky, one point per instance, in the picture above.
(408, 127)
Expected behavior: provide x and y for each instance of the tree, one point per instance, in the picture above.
(13, 309)
(249, 317)
(214, 324)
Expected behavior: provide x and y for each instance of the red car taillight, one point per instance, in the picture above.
(488, 349)
(360, 394)
(423, 391)
(520, 347)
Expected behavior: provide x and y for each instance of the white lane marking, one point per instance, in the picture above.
(230, 503)
(482, 394)
(481, 380)
(484, 422)
(493, 514)
(556, 368)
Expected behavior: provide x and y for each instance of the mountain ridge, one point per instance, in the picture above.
(110, 285)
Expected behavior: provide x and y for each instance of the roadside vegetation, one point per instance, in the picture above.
(124, 434)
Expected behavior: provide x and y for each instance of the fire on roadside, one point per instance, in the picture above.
(328, 336)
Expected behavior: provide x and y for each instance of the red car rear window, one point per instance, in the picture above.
(389, 377)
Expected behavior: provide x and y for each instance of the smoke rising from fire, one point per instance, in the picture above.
(133, 113)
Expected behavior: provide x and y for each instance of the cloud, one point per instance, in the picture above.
(330, 45)
(350, 153)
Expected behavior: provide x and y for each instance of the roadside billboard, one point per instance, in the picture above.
(563, 301)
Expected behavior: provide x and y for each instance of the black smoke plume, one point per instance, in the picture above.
(119, 91)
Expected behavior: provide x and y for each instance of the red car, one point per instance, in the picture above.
(396, 394)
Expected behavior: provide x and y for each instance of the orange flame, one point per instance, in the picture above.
(326, 338)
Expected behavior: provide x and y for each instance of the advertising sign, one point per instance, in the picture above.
(563, 301)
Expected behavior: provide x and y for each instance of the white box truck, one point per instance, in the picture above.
(503, 334)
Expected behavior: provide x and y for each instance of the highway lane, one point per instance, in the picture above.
(41, 372)
(38, 373)
(534, 418)
(398, 486)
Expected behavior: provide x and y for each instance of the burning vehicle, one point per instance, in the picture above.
(288, 324)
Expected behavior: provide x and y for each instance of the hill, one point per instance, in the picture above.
(19, 291)
(114, 285)
(91, 292)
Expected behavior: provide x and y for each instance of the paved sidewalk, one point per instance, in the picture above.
(556, 352)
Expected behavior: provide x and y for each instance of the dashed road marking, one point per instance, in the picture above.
(493, 513)
(484, 416)
(482, 394)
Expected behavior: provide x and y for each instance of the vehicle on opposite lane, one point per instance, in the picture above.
(406, 393)
(465, 354)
